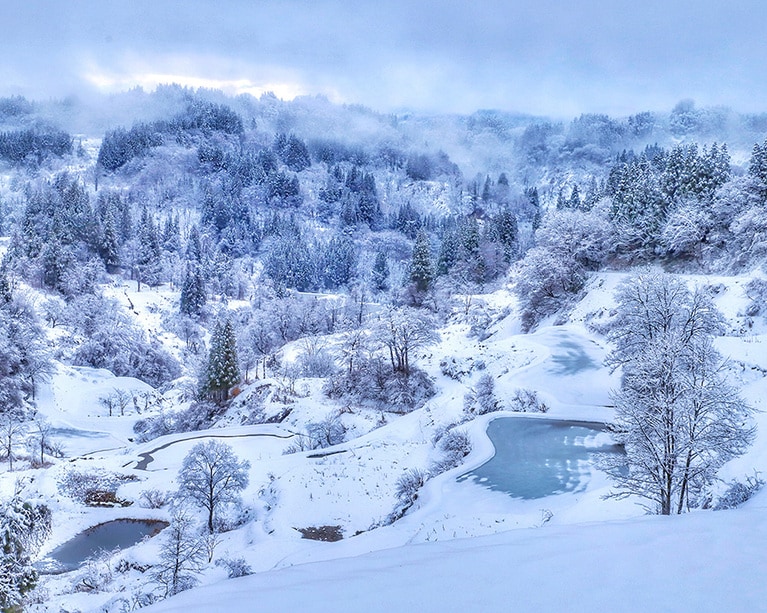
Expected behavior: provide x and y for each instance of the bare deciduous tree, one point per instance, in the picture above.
(212, 476)
(676, 415)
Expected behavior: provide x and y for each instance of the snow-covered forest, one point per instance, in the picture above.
(282, 329)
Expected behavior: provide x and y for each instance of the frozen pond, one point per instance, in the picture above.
(535, 458)
(116, 534)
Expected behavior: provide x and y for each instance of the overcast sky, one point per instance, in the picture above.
(555, 57)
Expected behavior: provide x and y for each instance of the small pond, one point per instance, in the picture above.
(535, 458)
(116, 534)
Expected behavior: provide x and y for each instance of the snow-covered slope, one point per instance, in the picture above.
(705, 562)
(461, 546)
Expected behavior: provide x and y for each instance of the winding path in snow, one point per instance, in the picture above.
(147, 457)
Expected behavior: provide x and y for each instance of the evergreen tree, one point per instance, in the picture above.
(149, 252)
(639, 207)
(421, 270)
(468, 238)
(23, 528)
(292, 151)
(222, 372)
(109, 247)
(340, 262)
(757, 167)
(502, 190)
(380, 273)
(535, 202)
(504, 230)
(592, 195)
(193, 296)
(194, 246)
(5, 285)
(55, 259)
(171, 237)
(448, 252)
(575, 199)
(487, 190)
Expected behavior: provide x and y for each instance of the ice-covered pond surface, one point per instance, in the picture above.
(535, 458)
(116, 534)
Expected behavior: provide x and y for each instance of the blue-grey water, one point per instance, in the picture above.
(535, 458)
(117, 534)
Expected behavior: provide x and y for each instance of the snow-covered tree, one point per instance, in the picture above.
(653, 305)
(24, 354)
(12, 429)
(23, 528)
(40, 441)
(379, 277)
(193, 295)
(148, 269)
(222, 372)
(685, 229)
(638, 204)
(676, 414)
(484, 393)
(182, 556)
(212, 476)
(421, 269)
(402, 331)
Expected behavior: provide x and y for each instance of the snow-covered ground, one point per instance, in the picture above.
(461, 546)
(705, 562)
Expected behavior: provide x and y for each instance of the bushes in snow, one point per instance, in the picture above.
(235, 567)
(112, 341)
(756, 291)
(93, 488)
(373, 383)
(197, 416)
(454, 446)
(154, 498)
(482, 398)
(24, 526)
(459, 368)
(526, 401)
(326, 433)
(739, 492)
(408, 485)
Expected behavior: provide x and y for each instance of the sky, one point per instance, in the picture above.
(550, 57)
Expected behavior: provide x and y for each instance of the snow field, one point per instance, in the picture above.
(568, 552)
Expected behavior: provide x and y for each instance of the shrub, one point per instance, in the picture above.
(756, 291)
(235, 567)
(738, 493)
(526, 401)
(326, 433)
(485, 395)
(154, 499)
(93, 488)
(408, 485)
(454, 445)
(455, 368)
(373, 383)
(197, 416)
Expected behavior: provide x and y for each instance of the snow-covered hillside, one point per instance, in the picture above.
(460, 546)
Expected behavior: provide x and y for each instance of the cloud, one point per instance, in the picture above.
(549, 56)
